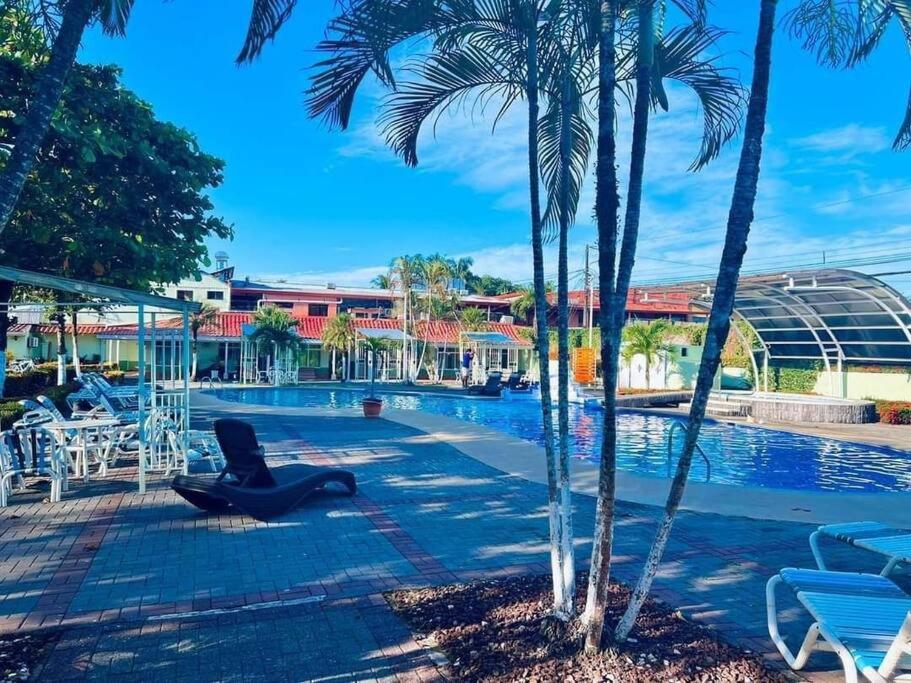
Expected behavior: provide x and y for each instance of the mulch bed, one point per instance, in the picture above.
(20, 655)
(498, 631)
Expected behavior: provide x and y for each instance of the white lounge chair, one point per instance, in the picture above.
(894, 544)
(865, 619)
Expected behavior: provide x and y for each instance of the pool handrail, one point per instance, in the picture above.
(670, 450)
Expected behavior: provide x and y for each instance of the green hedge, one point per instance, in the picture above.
(11, 411)
(794, 378)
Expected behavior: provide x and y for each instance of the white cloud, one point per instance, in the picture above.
(852, 139)
(807, 201)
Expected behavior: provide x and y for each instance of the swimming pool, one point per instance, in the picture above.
(741, 455)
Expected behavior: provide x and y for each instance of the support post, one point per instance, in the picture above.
(185, 436)
(141, 360)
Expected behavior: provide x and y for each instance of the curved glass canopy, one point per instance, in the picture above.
(834, 315)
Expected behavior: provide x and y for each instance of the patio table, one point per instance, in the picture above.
(84, 430)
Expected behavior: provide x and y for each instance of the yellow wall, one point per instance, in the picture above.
(880, 385)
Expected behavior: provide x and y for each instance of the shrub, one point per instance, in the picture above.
(10, 411)
(894, 412)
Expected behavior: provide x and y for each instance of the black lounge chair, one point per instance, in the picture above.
(516, 383)
(248, 484)
(490, 388)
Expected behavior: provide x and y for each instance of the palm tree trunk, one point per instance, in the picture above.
(740, 218)
(195, 356)
(607, 204)
(561, 573)
(48, 89)
(565, 217)
(61, 347)
(644, 65)
(6, 295)
(75, 338)
(333, 365)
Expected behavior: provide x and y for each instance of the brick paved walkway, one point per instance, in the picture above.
(149, 588)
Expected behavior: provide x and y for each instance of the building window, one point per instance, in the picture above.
(319, 310)
(185, 294)
(684, 352)
(215, 295)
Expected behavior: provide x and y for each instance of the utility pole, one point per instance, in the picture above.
(589, 314)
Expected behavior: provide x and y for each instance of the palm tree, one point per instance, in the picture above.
(654, 57)
(524, 304)
(75, 17)
(405, 272)
(647, 340)
(837, 39)
(206, 315)
(339, 337)
(472, 319)
(59, 319)
(277, 328)
(382, 281)
(74, 336)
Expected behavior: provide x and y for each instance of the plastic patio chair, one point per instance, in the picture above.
(883, 539)
(31, 451)
(865, 619)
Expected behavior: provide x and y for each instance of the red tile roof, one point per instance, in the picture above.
(51, 328)
(229, 325)
(667, 302)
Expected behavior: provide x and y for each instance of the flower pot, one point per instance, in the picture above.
(372, 407)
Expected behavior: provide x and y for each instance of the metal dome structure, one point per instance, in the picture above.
(833, 315)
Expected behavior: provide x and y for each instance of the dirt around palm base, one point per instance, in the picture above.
(497, 631)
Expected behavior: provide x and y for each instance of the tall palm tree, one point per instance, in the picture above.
(642, 66)
(647, 340)
(75, 16)
(406, 272)
(502, 62)
(339, 336)
(840, 35)
(206, 315)
(276, 329)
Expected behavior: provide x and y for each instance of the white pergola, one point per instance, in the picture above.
(165, 385)
(832, 315)
(281, 364)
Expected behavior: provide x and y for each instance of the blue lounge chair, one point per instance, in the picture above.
(894, 544)
(865, 619)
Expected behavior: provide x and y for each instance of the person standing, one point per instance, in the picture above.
(467, 359)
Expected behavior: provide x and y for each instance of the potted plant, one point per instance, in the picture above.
(371, 404)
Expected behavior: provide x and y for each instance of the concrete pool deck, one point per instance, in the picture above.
(149, 588)
(526, 460)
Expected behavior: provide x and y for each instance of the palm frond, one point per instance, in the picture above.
(903, 139)
(679, 57)
(462, 76)
(113, 15)
(266, 18)
(573, 117)
(826, 28)
(360, 42)
(695, 10)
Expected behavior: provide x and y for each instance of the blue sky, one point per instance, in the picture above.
(313, 205)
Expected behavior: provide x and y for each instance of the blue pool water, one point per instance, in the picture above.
(741, 455)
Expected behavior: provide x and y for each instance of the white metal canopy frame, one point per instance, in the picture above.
(164, 409)
(833, 315)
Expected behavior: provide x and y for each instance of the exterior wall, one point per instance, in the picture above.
(677, 372)
(89, 347)
(859, 385)
(202, 290)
